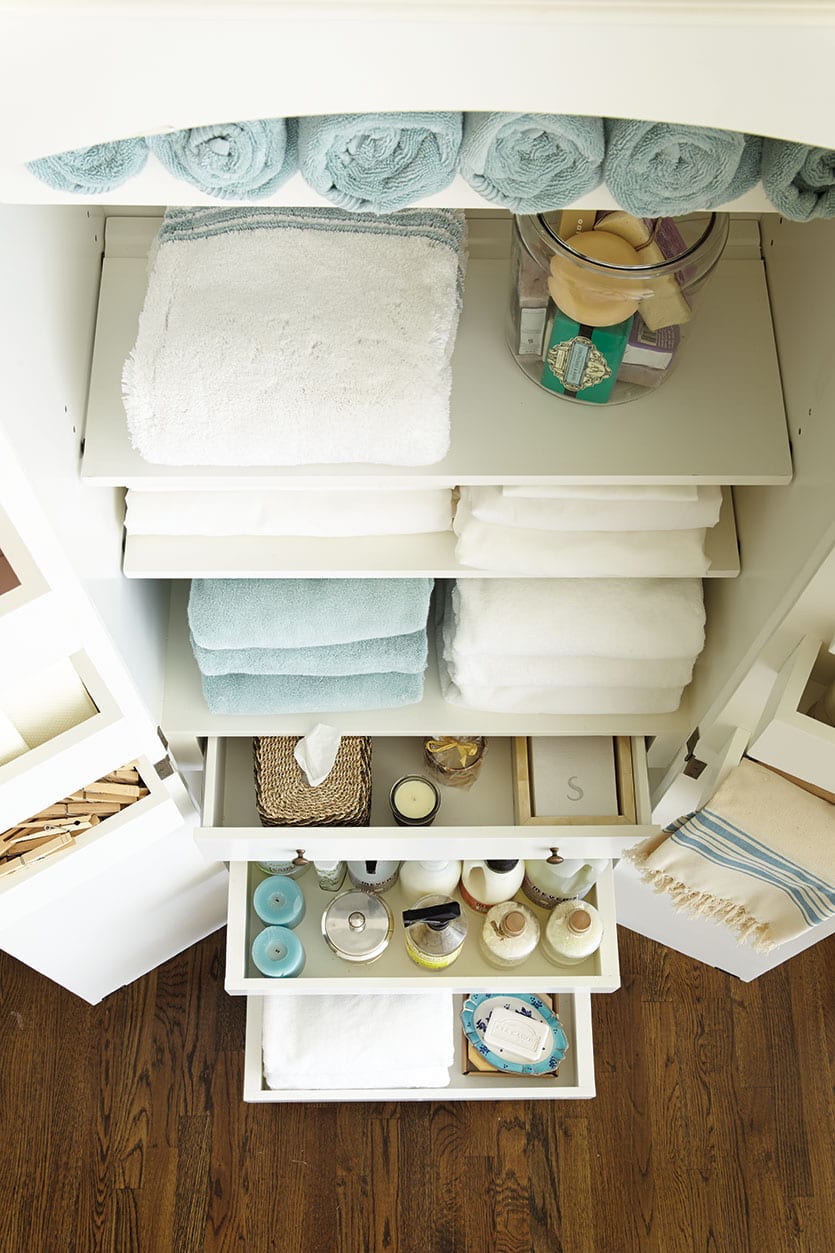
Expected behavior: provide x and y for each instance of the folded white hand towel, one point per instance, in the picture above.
(367, 1041)
(489, 671)
(578, 514)
(579, 554)
(277, 336)
(325, 513)
(643, 618)
(562, 700)
(602, 491)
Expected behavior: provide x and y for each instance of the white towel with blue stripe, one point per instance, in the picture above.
(284, 337)
(759, 857)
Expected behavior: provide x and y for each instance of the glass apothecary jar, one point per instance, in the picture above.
(601, 303)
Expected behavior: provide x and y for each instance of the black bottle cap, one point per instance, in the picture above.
(502, 867)
(371, 867)
(437, 916)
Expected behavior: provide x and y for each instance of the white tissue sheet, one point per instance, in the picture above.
(367, 1041)
(316, 752)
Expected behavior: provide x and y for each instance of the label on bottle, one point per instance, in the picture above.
(535, 894)
(531, 331)
(471, 901)
(435, 961)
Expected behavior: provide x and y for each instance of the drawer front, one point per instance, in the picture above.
(394, 971)
(574, 1081)
(483, 821)
(94, 852)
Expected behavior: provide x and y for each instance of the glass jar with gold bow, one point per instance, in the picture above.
(455, 761)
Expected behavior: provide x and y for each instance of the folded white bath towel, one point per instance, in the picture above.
(579, 514)
(579, 554)
(643, 618)
(321, 513)
(601, 491)
(367, 1041)
(564, 700)
(276, 336)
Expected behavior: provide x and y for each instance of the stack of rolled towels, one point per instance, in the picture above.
(274, 646)
(585, 531)
(287, 512)
(297, 337)
(570, 646)
(526, 162)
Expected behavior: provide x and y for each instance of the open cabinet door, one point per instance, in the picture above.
(108, 911)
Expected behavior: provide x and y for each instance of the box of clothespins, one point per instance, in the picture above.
(59, 825)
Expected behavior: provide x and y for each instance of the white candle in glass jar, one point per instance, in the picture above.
(414, 799)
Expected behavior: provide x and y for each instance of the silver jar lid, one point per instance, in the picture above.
(357, 926)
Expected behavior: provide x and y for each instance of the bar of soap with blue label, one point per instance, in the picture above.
(583, 361)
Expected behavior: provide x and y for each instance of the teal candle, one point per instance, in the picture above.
(279, 901)
(278, 953)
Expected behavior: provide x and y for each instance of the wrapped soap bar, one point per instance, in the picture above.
(583, 361)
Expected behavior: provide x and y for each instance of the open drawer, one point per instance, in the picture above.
(98, 738)
(484, 821)
(574, 1080)
(394, 971)
(116, 838)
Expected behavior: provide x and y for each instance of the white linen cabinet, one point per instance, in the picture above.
(751, 409)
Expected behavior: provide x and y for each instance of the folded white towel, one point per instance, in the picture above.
(324, 513)
(367, 1041)
(565, 700)
(579, 554)
(489, 671)
(643, 618)
(601, 491)
(578, 514)
(276, 336)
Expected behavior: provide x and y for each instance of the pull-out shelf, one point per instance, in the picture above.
(575, 1079)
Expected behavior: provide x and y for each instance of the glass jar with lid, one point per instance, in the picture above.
(602, 302)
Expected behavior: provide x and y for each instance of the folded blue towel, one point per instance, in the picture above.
(405, 654)
(531, 162)
(799, 180)
(86, 171)
(282, 693)
(298, 613)
(658, 168)
(379, 162)
(232, 160)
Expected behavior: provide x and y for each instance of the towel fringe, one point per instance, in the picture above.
(747, 928)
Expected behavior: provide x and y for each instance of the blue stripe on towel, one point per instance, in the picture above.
(718, 841)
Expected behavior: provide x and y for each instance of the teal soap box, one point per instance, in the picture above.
(583, 361)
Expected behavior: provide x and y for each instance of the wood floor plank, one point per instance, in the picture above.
(123, 1128)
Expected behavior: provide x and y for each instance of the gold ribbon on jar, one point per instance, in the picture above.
(465, 749)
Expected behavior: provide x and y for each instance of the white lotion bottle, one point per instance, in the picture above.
(546, 884)
(486, 883)
(428, 878)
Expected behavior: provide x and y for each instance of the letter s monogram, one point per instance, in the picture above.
(575, 787)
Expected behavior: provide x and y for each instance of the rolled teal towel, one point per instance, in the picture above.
(283, 694)
(379, 162)
(299, 613)
(232, 160)
(405, 654)
(87, 171)
(799, 180)
(531, 162)
(658, 168)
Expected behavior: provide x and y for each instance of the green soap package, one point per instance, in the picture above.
(583, 361)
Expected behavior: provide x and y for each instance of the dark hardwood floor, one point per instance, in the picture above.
(123, 1128)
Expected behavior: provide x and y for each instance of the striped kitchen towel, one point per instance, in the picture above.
(759, 857)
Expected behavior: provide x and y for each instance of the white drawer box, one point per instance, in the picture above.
(574, 1081)
(787, 737)
(115, 839)
(471, 824)
(394, 971)
(72, 758)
